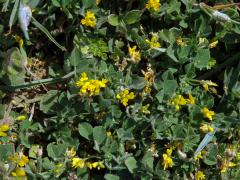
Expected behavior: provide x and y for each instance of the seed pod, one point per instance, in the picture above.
(181, 154)
(221, 16)
(24, 18)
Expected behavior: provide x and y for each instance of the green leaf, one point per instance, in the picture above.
(85, 129)
(13, 14)
(173, 6)
(148, 161)
(13, 68)
(47, 33)
(34, 3)
(88, 3)
(5, 151)
(56, 3)
(33, 151)
(211, 158)
(56, 150)
(24, 138)
(49, 102)
(132, 17)
(202, 58)
(113, 19)
(75, 57)
(131, 164)
(170, 35)
(99, 134)
(169, 87)
(111, 177)
(170, 53)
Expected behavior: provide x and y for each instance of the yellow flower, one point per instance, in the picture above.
(58, 168)
(179, 100)
(124, 96)
(207, 113)
(207, 83)
(148, 75)
(199, 156)
(135, 55)
(89, 19)
(225, 165)
(19, 172)
(19, 40)
(145, 110)
(109, 134)
(191, 100)
(98, 1)
(205, 128)
(202, 40)
(78, 162)
(213, 44)
(180, 41)
(238, 156)
(96, 165)
(231, 164)
(91, 87)
(21, 118)
(153, 43)
(3, 129)
(154, 4)
(19, 158)
(71, 153)
(200, 175)
(167, 159)
(147, 90)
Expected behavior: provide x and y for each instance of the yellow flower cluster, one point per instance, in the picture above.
(124, 96)
(89, 19)
(135, 55)
(205, 128)
(199, 175)
(96, 165)
(149, 78)
(180, 100)
(225, 165)
(154, 4)
(181, 42)
(20, 160)
(3, 129)
(208, 114)
(167, 159)
(78, 162)
(19, 172)
(213, 44)
(153, 43)
(91, 87)
(145, 110)
(200, 155)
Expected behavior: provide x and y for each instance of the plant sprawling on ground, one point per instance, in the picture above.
(119, 89)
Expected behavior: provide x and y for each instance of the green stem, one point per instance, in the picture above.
(37, 82)
(227, 62)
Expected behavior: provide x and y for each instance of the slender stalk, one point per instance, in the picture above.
(38, 82)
